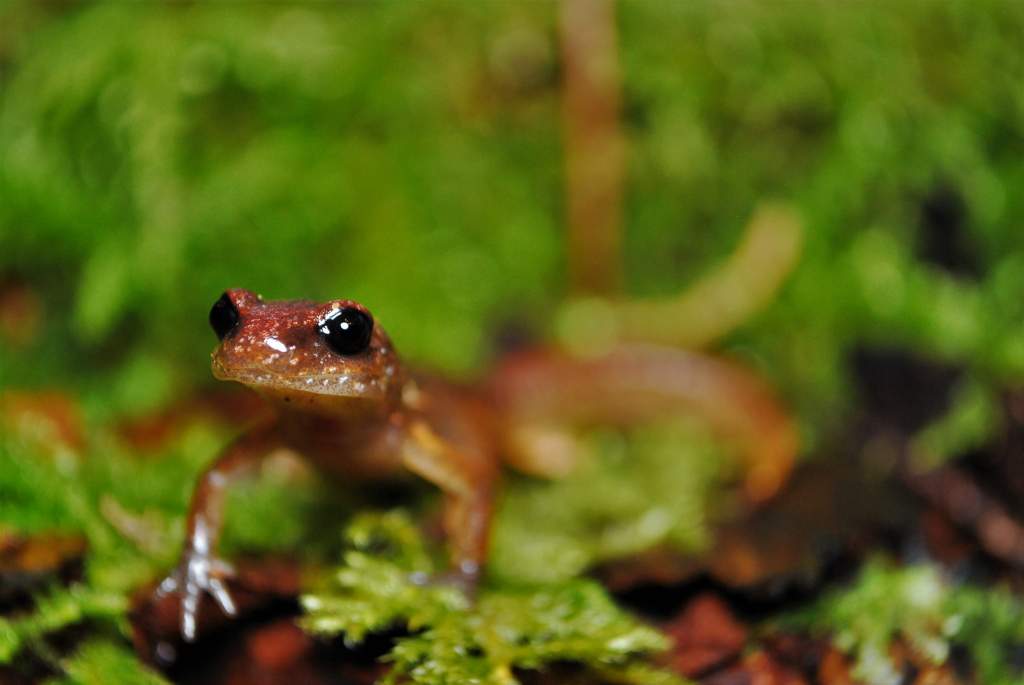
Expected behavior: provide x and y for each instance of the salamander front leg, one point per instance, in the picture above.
(468, 482)
(199, 570)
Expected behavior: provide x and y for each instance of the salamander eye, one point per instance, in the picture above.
(347, 331)
(224, 317)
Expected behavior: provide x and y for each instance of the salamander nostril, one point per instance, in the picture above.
(347, 331)
(224, 317)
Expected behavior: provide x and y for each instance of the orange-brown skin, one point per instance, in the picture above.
(351, 416)
(364, 414)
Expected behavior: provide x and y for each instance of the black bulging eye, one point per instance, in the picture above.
(224, 317)
(347, 331)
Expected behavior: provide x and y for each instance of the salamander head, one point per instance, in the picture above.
(302, 351)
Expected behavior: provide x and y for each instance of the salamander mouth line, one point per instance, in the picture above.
(348, 384)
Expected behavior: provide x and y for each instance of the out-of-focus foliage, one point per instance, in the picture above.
(131, 513)
(453, 642)
(155, 154)
(98, 663)
(967, 425)
(57, 610)
(408, 155)
(659, 486)
(918, 606)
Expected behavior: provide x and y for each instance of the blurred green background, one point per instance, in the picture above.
(409, 155)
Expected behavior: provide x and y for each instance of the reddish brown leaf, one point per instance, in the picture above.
(835, 669)
(705, 636)
(278, 646)
(757, 668)
(27, 563)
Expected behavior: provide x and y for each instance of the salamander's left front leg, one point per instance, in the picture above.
(468, 482)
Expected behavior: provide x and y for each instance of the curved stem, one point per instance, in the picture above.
(593, 145)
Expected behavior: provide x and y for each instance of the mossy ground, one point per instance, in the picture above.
(408, 155)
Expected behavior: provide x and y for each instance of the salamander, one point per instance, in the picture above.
(344, 400)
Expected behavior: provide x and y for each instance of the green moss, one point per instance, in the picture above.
(971, 420)
(656, 485)
(918, 606)
(131, 512)
(298, 151)
(409, 155)
(454, 641)
(56, 610)
(99, 662)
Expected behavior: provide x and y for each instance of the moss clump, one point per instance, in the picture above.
(131, 513)
(917, 605)
(454, 641)
(56, 610)
(655, 485)
(98, 662)
(61, 492)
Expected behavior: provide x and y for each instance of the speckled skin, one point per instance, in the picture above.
(279, 352)
(359, 415)
(365, 414)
